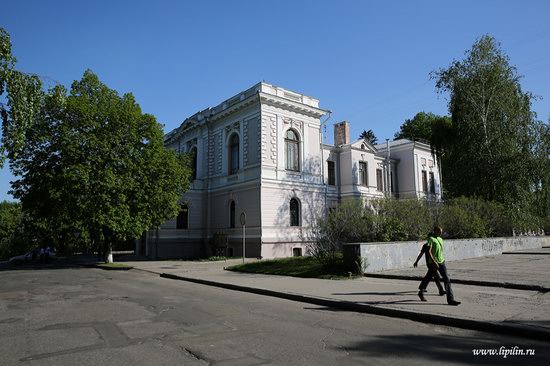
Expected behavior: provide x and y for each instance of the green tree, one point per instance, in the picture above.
(417, 128)
(23, 95)
(427, 127)
(12, 238)
(88, 161)
(491, 153)
(369, 136)
(541, 172)
(94, 164)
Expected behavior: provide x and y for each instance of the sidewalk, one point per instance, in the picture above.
(522, 270)
(520, 312)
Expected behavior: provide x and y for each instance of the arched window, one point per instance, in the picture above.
(234, 154)
(292, 150)
(232, 214)
(294, 212)
(182, 221)
(194, 162)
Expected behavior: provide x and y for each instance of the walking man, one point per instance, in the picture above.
(425, 252)
(437, 264)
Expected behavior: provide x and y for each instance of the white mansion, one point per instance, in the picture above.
(261, 153)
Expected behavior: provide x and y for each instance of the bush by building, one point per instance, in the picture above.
(388, 220)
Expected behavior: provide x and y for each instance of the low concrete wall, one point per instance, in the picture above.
(394, 255)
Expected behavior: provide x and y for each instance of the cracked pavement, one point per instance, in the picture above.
(63, 315)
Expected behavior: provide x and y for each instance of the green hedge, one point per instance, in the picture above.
(411, 219)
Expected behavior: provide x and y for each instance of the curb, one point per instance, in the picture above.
(93, 265)
(527, 253)
(512, 286)
(494, 327)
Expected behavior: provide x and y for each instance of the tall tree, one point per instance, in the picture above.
(22, 93)
(369, 136)
(87, 161)
(421, 126)
(491, 154)
(429, 128)
(541, 172)
(12, 241)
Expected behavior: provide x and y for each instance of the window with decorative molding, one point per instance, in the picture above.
(193, 153)
(232, 214)
(363, 180)
(294, 212)
(182, 221)
(331, 173)
(424, 181)
(292, 150)
(432, 183)
(234, 154)
(379, 180)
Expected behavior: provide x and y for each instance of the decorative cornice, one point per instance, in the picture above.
(269, 99)
(233, 109)
(276, 101)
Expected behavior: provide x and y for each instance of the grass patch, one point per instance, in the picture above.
(217, 258)
(307, 267)
(214, 258)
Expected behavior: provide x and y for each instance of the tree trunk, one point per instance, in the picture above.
(108, 253)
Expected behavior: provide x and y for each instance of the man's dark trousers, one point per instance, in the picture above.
(443, 271)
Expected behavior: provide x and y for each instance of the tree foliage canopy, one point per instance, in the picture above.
(429, 128)
(87, 161)
(494, 130)
(369, 136)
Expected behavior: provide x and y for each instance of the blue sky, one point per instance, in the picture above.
(367, 61)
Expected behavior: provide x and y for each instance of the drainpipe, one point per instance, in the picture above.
(323, 159)
(388, 169)
(208, 177)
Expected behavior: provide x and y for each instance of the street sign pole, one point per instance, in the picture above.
(243, 223)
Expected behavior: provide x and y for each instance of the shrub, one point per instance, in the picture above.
(462, 220)
(350, 222)
(406, 219)
(412, 219)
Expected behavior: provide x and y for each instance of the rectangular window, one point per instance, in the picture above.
(391, 183)
(379, 180)
(424, 181)
(363, 174)
(432, 183)
(182, 220)
(331, 173)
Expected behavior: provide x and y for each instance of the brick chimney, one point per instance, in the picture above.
(341, 133)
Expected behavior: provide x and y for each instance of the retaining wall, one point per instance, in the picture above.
(395, 255)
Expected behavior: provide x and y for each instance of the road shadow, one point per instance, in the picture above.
(376, 293)
(60, 263)
(447, 349)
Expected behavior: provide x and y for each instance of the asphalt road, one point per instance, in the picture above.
(62, 315)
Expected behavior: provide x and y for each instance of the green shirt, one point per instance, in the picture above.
(436, 245)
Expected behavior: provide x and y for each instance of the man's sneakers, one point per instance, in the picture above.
(442, 292)
(421, 296)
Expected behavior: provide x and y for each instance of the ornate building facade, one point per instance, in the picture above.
(259, 156)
